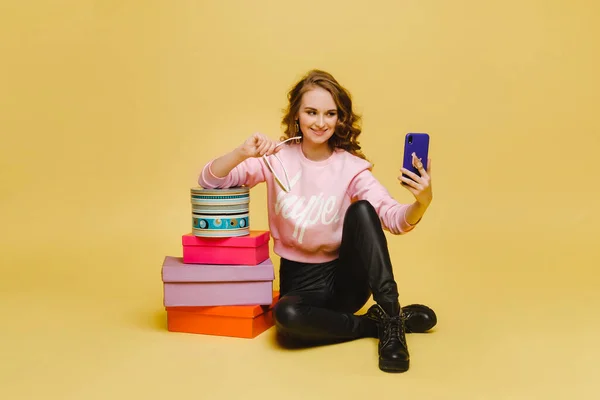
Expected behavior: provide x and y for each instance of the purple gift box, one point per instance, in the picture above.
(216, 285)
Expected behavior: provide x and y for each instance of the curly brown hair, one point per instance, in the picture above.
(347, 129)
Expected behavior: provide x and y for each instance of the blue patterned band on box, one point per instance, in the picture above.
(205, 225)
(220, 212)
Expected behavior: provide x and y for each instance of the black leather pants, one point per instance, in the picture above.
(318, 301)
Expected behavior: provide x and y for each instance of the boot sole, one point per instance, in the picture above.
(394, 366)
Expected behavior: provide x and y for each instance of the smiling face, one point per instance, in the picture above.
(322, 109)
(317, 117)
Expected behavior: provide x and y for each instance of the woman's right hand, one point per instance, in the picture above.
(258, 145)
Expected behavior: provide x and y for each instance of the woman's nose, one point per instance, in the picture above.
(320, 120)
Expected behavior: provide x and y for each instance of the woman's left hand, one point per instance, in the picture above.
(419, 186)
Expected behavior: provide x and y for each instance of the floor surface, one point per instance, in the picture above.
(78, 334)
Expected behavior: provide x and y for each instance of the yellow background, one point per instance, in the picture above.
(108, 110)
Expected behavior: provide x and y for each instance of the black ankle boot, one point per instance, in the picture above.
(393, 350)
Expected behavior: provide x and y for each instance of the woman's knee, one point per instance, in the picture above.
(286, 313)
(362, 207)
(362, 210)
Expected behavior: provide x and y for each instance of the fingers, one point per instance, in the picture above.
(411, 174)
(412, 180)
(410, 188)
(253, 143)
(418, 164)
(419, 186)
(260, 145)
(263, 146)
(409, 182)
(271, 148)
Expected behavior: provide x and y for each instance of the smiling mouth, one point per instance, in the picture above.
(319, 132)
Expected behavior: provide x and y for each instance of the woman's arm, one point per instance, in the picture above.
(222, 166)
(240, 166)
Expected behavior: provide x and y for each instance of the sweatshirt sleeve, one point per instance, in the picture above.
(392, 214)
(249, 173)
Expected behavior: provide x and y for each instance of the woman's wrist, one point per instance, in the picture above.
(415, 212)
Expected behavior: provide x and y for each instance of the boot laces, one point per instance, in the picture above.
(393, 328)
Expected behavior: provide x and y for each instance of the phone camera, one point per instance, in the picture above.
(410, 139)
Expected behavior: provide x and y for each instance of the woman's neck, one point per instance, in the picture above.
(314, 152)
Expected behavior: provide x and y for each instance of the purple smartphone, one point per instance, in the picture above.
(417, 143)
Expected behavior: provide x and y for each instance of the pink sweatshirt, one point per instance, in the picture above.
(306, 223)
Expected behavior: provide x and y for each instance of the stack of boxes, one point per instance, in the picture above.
(223, 284)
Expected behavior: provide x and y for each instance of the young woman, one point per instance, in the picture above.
(327, 213)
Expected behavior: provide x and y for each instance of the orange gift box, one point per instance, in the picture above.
(235, 321)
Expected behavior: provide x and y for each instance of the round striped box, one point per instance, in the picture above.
(220, 212)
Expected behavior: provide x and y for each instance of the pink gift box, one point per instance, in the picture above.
(216, 285)
(251, 249)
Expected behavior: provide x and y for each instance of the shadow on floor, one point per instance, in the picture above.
(153, 319)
